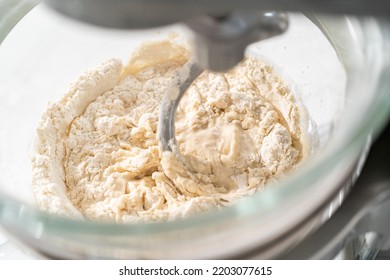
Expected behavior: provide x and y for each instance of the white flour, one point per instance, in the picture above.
(98, 155)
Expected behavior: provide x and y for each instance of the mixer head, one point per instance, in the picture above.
(220, 36)
(222, 28)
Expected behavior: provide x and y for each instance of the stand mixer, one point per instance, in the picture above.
(222, 30)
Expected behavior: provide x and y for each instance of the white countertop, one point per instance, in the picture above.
(9, 250)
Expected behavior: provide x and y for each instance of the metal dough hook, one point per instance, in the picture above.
(173, 95)
(220, 44)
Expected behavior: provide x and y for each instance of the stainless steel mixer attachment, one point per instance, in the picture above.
(220, 44)
(171, 100)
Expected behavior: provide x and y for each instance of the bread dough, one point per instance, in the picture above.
(97, 155)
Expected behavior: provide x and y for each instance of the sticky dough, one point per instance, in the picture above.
(97, 155)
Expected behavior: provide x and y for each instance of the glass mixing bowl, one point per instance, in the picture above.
(338, 67)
